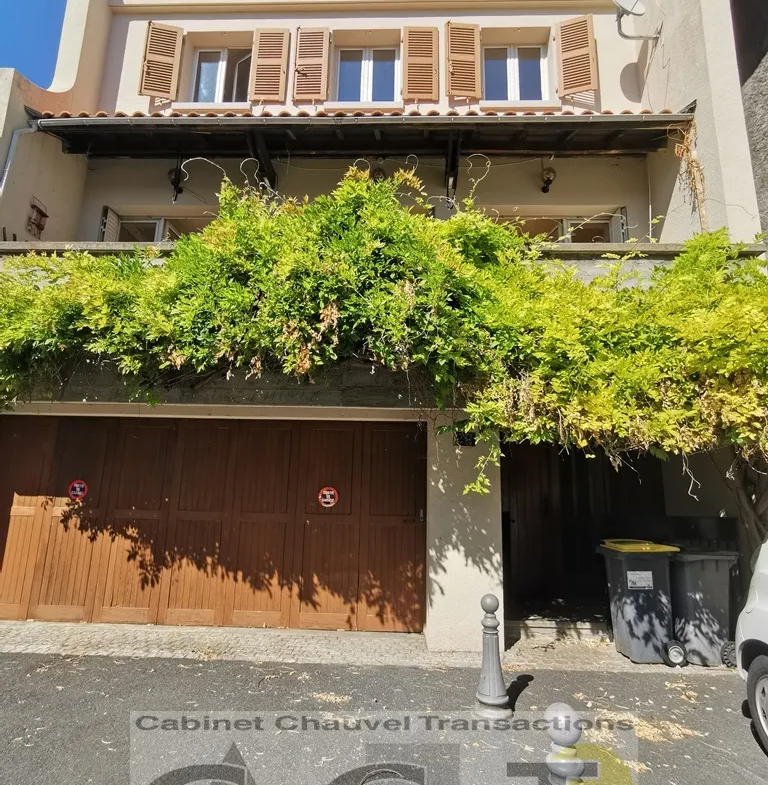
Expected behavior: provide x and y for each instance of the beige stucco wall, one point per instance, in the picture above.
(34, 166)
(464, 546)
(695, 60)
(584, 187)
(619, 88)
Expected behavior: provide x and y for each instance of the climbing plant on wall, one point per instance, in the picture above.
(677, 365)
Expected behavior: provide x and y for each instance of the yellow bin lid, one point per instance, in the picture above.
(639, 546)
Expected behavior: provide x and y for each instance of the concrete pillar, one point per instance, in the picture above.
(464, 553)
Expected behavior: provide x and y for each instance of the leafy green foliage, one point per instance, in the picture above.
(678, 364)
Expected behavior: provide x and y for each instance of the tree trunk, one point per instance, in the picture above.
(748, 482)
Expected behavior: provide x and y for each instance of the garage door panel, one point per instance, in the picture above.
(204, 461)
(328, 591)
(393, 583)
(143, 463)
(393, 477)
(26, 445)
(81, 453)
(132, 558)
(66, 571)
(259, 541)
(17, 537)
(263, 468)
(393, 528)
(330, 579)
(330, 462)
(195, 573)
(257, 580)
(133, 572)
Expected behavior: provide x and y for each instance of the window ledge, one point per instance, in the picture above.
(191, 106)
(357, 106)
(521, 106)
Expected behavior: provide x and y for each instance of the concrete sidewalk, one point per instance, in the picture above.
(299, 646)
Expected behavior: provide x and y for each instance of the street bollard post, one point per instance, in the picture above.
(564, 730)
(492, 698)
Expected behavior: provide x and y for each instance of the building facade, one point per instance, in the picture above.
(338, 505)
(750, 20)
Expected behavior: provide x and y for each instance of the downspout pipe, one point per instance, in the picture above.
(17, 134)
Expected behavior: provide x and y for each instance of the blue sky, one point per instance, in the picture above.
(29, 37)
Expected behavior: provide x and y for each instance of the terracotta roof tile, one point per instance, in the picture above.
(320, 112)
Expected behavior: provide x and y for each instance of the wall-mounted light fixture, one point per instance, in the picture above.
(548, 176)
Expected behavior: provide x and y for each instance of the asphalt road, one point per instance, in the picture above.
(66, 720)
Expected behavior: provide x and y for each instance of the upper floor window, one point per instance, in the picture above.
(515, 73)
(367, 74)
(222, 76)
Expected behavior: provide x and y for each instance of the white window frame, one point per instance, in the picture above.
(616, 224)
(366, 73)
(221, 74)
(513, 73)
(163, 226)
(569, 224)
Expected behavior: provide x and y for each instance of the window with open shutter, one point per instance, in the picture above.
(110, 226)
(270, 65)
(420, 73)
(464, 60)
(162, 58)
(312, 54)
(577, 56)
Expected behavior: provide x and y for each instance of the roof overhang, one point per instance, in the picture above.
(351, 135)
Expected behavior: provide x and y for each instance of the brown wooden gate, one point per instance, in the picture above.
(213, 522)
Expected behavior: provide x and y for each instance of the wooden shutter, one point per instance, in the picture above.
(312, 50)
(464, 60)
(110, 226)
(420, 74)
(162, 58)
(270, 65)
(577, 56)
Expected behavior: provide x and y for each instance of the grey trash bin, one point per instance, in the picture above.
(701, 584)
(640, 598)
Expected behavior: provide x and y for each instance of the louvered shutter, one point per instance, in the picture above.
(464, 60)
(420, 74)
(312, 50)
(110, 226)
(270, 65)
(577, 56)
(162, 58)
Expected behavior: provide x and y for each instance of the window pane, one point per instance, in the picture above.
(529, 65)
(238, 74)
(551, 227)
(590, 231)
(207, 76)
(383, 75)
(350, 74)
(496, 82)
(137, 232)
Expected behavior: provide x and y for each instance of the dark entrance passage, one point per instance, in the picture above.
(556, 507)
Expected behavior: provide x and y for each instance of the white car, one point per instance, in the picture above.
(752, 645)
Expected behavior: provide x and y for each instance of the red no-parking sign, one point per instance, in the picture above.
(328, 496)
(78, 490)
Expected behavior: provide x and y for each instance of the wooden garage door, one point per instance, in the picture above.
(213, 523)
(26, 446)
(393, 528)
(64, 584)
